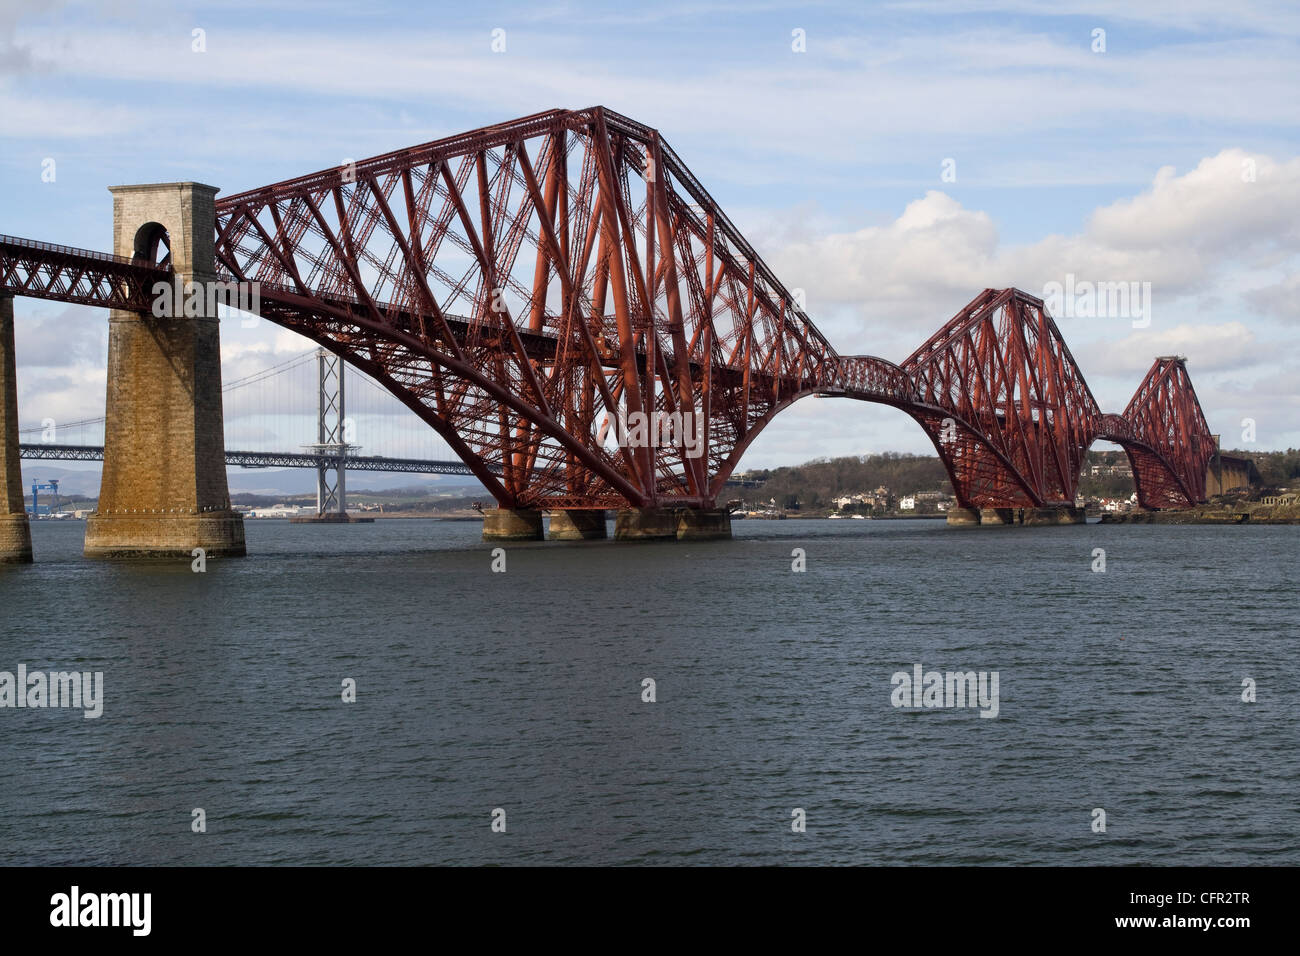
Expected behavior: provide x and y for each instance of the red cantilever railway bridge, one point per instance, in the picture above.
(522, 285)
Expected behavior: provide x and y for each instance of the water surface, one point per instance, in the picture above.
(522, 691)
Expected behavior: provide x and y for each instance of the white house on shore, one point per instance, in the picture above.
(278, 511)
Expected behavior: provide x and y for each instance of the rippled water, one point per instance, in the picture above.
(522, 691)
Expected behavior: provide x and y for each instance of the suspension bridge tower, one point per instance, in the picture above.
(332, 446)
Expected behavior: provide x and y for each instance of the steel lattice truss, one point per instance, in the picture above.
(42, 270)
(530, 287)
(1166, 436)
(1004, 403)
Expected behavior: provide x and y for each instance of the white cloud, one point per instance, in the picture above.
(1188, 15)
(1185, 235)
(67, 395)
(1230, 203)
(1280, 299)
(935, 244)
(874, 94)
(1210, 243)
(1208, 348)
(64, 118)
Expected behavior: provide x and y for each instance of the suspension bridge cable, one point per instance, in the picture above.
(273, 370)
(288, 392)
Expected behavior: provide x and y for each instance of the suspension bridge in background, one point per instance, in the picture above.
(311, 393)
(526, 289)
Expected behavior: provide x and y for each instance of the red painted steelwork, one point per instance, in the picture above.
(527, 287)
(43, 270)
(1166, 436)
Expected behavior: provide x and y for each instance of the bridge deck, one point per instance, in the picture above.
(269, 459)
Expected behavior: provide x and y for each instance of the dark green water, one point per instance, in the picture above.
(522, 691)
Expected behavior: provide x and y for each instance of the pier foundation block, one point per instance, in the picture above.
(512, 524)
(963, 517)
(15, 531)
(700, 524)
(162, 534)
(994, 517)
(645, 524)
(164, 491)
(1060, 514)
(331, 517)
(15, 539)
(578, 524)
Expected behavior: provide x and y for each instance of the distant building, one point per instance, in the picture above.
(907, 504)
(1120, 469)
(279, 511)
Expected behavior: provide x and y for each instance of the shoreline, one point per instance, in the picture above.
(1244, 512)
(1202, 516)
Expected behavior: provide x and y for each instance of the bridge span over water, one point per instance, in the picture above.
(527, 289)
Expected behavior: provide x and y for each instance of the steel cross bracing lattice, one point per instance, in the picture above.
(525, 288)
(331, 434)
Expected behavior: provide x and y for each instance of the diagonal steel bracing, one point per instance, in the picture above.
(534, 289)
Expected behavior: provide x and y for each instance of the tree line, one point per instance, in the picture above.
(815, 484)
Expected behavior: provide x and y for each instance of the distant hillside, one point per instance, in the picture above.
(814, 483)
(72, 481)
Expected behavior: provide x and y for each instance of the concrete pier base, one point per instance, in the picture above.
(997, 517)
(698, 524)
(963, 517)
(578, 525)
(164, 535)
(1060, 514)
(163, 490)
(15, 532)
(645, 524)
(15, 539)
(993, 517)
(330, 517)
(512, 524)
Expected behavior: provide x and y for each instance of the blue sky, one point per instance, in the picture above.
(1127, 164)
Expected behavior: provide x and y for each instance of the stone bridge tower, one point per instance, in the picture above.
(15, 533)
(164, 488)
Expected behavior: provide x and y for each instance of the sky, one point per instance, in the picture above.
(891, 160)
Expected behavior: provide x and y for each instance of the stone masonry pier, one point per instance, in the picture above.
(15, 532)
(164, 489)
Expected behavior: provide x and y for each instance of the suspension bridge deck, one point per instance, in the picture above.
(268, 459)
